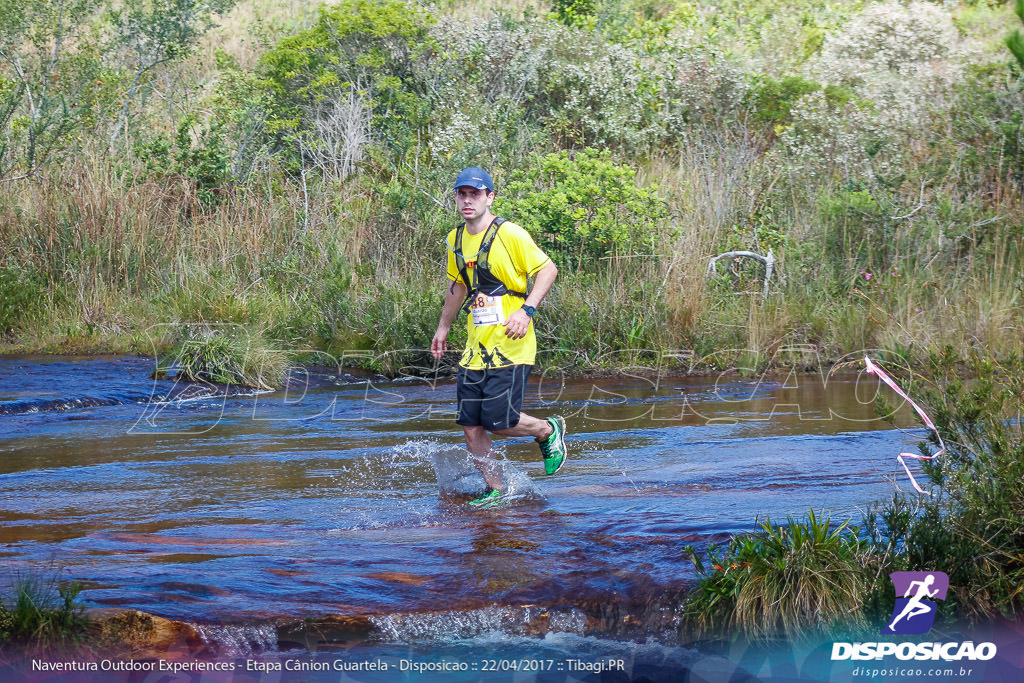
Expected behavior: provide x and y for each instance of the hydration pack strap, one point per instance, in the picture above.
(482, 280)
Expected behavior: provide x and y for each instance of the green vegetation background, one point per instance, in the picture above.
(276, 175)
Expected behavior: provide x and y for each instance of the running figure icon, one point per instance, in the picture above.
(914, 606)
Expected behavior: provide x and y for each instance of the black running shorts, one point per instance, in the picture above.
(491, 398)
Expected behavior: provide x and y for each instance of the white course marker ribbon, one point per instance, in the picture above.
(873, 369)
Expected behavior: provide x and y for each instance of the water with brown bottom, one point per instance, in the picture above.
(345, 498)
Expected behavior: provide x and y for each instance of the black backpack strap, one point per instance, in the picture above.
(483, 256)
(484, 279)
(460, 258)
(482, 253)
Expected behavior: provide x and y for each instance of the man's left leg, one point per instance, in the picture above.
(528, 426)
(505, 409)
(549, 434)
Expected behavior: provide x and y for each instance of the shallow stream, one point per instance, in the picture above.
(345, 497)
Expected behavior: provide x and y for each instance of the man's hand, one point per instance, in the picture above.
(454, 295)
(517, 325)
(439, 344)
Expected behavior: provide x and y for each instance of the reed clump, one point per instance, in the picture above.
(223, 354)
(41, 615)
(781, 581)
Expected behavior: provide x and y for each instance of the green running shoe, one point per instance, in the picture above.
(553, 447)
(492, 498)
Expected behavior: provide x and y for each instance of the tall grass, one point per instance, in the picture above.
(119, 239)
(101, 261)
(709, 186)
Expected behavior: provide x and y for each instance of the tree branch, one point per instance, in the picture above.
(768, 261)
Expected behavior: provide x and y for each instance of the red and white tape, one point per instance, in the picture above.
(877, 371)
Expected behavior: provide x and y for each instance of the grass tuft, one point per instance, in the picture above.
(41, 616)
(224, 354)
(780, 581)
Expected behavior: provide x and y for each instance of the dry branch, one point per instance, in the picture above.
(768, 261)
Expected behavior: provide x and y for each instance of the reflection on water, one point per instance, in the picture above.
(348, 498)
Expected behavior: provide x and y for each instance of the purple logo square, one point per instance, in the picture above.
(915, 608)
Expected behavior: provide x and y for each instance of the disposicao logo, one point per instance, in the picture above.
(913, 614)
(915, 611)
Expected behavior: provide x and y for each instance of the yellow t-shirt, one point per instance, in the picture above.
(514, 256)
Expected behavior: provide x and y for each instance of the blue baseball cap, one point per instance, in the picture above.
(474, 176)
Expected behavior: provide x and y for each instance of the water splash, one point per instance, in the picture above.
(452, 466)
(458, 474)
(238, 640)
(528, 620)
(572, 621)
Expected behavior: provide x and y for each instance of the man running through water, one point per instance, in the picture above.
(489, 261)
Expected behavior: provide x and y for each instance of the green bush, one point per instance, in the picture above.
(582, 207)
(781, 581)
(854, 222)
(509, 83)
(594, 93)
(1015, 41)
(574, 12)
(366, 47)
(772, 100)
(834, 136)
(206, 162)
(987, 146)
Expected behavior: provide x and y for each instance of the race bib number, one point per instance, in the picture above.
(486, 310)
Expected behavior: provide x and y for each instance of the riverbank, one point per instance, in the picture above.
(495, 644)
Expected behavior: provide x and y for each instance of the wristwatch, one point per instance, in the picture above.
(530, 310)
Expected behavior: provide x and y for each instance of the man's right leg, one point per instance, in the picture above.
(470, 393)
(549, 434)
(478, 441)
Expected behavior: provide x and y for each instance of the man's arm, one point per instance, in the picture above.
(518, 323)
(542, 282)
(454, 295)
